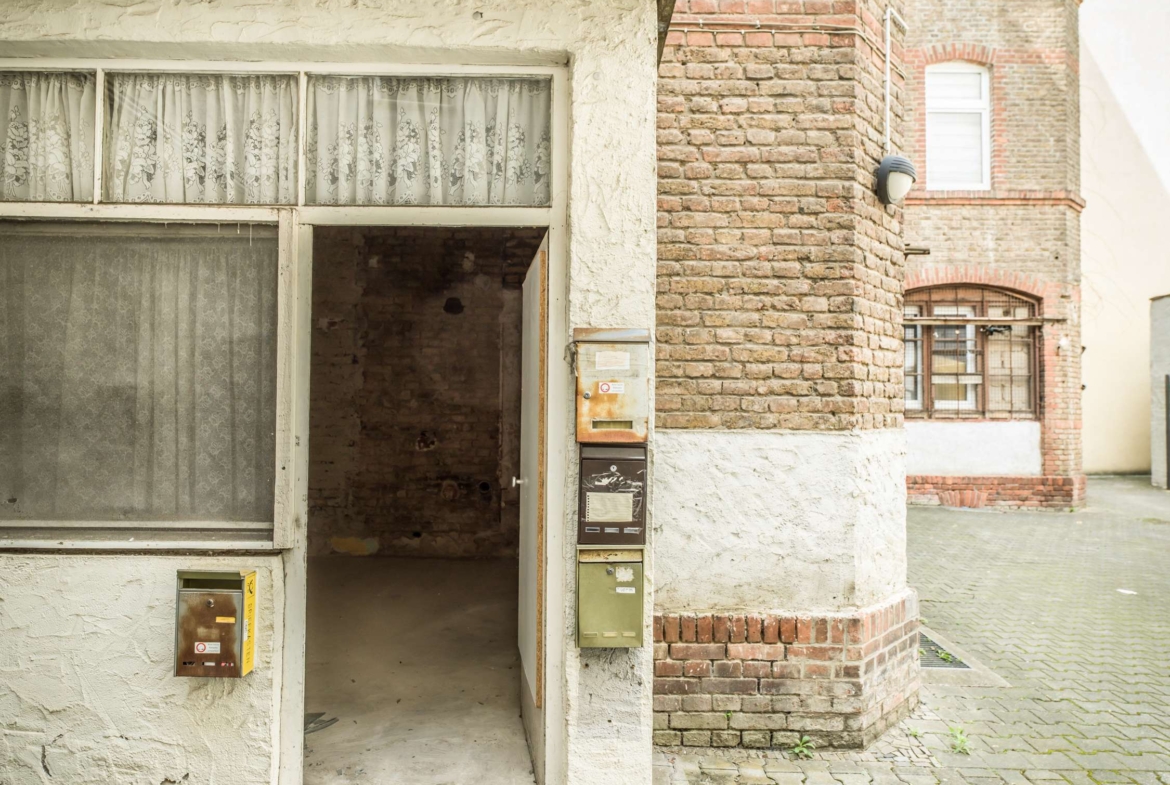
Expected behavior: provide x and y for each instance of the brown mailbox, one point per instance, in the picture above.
(612, 505)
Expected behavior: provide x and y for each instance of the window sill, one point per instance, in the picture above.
(143, 539)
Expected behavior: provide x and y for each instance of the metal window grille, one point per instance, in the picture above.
(971, 352)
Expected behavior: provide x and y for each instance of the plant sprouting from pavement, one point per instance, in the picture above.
(959, 741)
(803, 748)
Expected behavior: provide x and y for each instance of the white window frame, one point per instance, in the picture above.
(294, 224)
(971, 400)
(981, 107)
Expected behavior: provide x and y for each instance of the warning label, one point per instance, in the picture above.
(611, 388)
(207, 647)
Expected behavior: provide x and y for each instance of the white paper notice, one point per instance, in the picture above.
(613, 361)
(609, 507)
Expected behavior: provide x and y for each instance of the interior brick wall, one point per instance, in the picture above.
(414, 414)
(780, 274)
(1027, 226)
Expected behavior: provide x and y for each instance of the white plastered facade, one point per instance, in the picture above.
(607, 279)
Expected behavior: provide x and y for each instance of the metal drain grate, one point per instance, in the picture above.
(930, 655)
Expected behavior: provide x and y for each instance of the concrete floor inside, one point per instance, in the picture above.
(417, 661)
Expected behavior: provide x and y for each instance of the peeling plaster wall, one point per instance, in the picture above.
(609, 47)
(87, 663)
(778, 521)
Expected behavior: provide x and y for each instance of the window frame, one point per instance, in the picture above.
(974, 408)
(294, 224)
(982, 107)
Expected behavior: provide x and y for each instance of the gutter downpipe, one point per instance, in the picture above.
(891, 14)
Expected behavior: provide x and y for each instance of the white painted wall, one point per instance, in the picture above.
(1159, 369)
(973, 448)
(778, 521)
(1125, 262)
(609, 47)
(88, 693)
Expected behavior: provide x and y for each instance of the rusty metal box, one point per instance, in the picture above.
(215, 623)
(611, 507)
(609, 604)
(613, 385)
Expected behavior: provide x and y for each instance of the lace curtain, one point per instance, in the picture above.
(137, 375)
(201, 139)
(453, 141)
(46, 137)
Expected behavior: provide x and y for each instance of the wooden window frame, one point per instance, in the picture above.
(927, 320)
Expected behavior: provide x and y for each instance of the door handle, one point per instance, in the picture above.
(516, 481)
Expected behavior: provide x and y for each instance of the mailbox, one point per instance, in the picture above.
(612, 496)
(613, 385)
(609, 601)
(215, 624)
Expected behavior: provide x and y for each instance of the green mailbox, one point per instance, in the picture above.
(609, 604)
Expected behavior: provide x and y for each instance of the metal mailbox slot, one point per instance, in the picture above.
(612, 496)
(613, 385)
(609, 604)
(215, 624)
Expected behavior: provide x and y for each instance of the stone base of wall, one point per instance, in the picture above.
(765, 680)
(1004, 492)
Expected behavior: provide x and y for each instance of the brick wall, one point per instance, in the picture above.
(779, 272)
(414, 403)
(1026, 228)
(763, 680)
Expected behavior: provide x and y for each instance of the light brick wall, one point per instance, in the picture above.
(779, 272)
(409, 410)
(1026, 229)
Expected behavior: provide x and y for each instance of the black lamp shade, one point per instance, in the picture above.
(891, 165)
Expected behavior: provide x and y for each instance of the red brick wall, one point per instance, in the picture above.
(762, 680)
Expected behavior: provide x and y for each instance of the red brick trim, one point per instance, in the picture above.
(763, 680)
(979, 275)
(1007, 492)
(1008, 198)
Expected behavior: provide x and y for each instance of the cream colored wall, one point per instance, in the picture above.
(609, 48)
(1125, 262)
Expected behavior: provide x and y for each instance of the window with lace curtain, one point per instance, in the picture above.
(970, 352)
(200, 138)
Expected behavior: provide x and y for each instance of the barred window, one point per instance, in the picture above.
(970, 352)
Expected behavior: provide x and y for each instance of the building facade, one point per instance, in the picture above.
(993, 298)
(268, 269)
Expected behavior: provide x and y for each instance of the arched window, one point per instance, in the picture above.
(958, 127)
(970, 352)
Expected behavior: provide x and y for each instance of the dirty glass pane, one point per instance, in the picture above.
(200, 139)
(428, 141)
(137, 373)
(46, 136)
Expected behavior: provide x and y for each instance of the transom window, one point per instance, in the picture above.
(224, 138)
(958, 127)
(970, 352)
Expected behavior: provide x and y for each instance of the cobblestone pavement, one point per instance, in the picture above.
(1071, 609)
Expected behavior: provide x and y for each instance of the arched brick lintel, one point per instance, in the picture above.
(1043, 291)
(947, 53)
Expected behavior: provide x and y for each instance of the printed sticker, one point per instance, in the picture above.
(625, 590)
(613, 361)
(225, 619)
(207, 647)
(611, 388)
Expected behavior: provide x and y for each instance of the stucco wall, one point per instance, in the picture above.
(973, 448)
(1125, 262)
(778, 521)
(609, 47)
(87, 664)
(1159, 369)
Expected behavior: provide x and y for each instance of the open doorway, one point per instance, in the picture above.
(413, 672)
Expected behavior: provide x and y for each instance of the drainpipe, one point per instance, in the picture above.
(891, 15)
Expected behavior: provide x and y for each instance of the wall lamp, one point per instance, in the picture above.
(895, 178)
